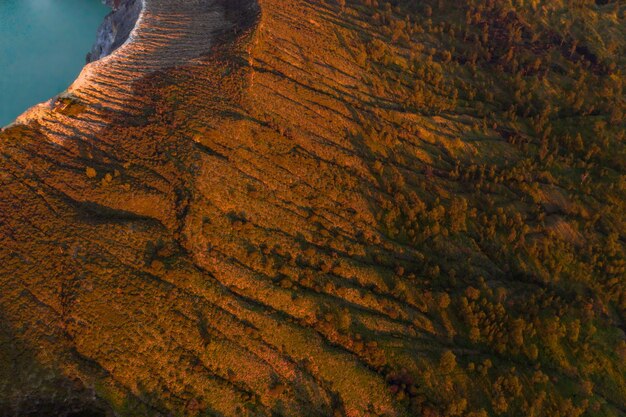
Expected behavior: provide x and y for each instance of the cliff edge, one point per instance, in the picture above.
(116, 28)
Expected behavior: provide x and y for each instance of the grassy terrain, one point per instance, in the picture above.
(351, 208)
(501, 161)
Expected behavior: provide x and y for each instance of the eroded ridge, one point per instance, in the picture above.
(166, 34)
(221, 218)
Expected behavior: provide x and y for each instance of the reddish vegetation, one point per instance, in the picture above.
(231, 221)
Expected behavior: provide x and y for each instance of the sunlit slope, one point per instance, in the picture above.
(325, 209)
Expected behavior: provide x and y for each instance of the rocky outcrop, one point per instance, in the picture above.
(116, 28)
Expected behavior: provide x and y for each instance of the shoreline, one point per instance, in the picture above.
(117, 29)
(89, 65)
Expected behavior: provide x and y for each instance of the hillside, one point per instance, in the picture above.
(325, 208)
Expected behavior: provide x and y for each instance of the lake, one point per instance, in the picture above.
(43, 44)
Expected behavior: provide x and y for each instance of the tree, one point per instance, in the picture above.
(447, 362)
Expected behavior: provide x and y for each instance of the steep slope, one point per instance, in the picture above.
(304, 208)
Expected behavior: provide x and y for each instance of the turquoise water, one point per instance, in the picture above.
(43, 44)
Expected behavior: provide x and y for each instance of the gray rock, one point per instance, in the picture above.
(116, 27)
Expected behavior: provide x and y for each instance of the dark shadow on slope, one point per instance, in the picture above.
(30, 388)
